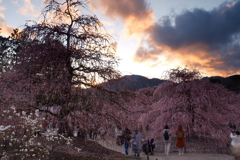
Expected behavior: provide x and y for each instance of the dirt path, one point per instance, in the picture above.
(172, 156)
(188, 156)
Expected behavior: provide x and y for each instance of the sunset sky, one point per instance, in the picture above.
(157, 35)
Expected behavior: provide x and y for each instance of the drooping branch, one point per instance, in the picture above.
(182, 74)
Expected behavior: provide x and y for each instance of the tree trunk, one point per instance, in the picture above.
(65, 129)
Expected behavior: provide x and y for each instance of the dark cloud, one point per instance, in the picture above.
(199, 26)
(228, 57)
(214, 32)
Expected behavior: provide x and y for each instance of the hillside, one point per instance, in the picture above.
(232, 82)
(132, 82)
(135, 82)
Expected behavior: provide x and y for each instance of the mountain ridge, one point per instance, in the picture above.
(136, 82)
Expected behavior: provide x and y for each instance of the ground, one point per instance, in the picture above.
(189, 156)
(108, 150)
(196, 151)
(103, 150)
(94, 151)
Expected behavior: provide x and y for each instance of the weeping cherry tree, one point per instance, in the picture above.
(203, 109)
(62, 60)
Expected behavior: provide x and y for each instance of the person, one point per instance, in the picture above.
(235, 144)
(232, 126)
(148, 146)
(127, 138)
(44, 126)
(167, 138)
(126, 145)
(151, 145)
(145, 147)
(137, 138)
(180, 140)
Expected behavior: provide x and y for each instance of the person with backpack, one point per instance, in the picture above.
(167, 139)
(180, 140)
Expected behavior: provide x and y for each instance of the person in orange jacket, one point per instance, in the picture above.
(180, 140)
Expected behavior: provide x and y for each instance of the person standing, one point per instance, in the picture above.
(235, 144)
(151, 145)
(137, 142)
(126, 146)
(148, 146)
(127, 138)
(180, 140)
(167, 138)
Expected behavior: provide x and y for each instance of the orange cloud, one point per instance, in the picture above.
(197, 56)
(28, 9)
(205, 40)
(136, 14)
(5, 29)
(2, 17)
(2, 8)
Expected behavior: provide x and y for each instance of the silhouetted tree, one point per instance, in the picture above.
(61, 63)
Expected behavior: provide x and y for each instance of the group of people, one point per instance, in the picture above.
(135, 140)
(167, 137)
(138, 142)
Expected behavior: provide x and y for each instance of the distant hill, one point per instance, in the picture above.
(132, 82)
(135, 82)
(232, 82)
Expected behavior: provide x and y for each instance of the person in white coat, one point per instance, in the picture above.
(235, 144)
(136, 142)
(167, 138)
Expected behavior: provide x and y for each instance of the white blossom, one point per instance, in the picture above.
(3, 128)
